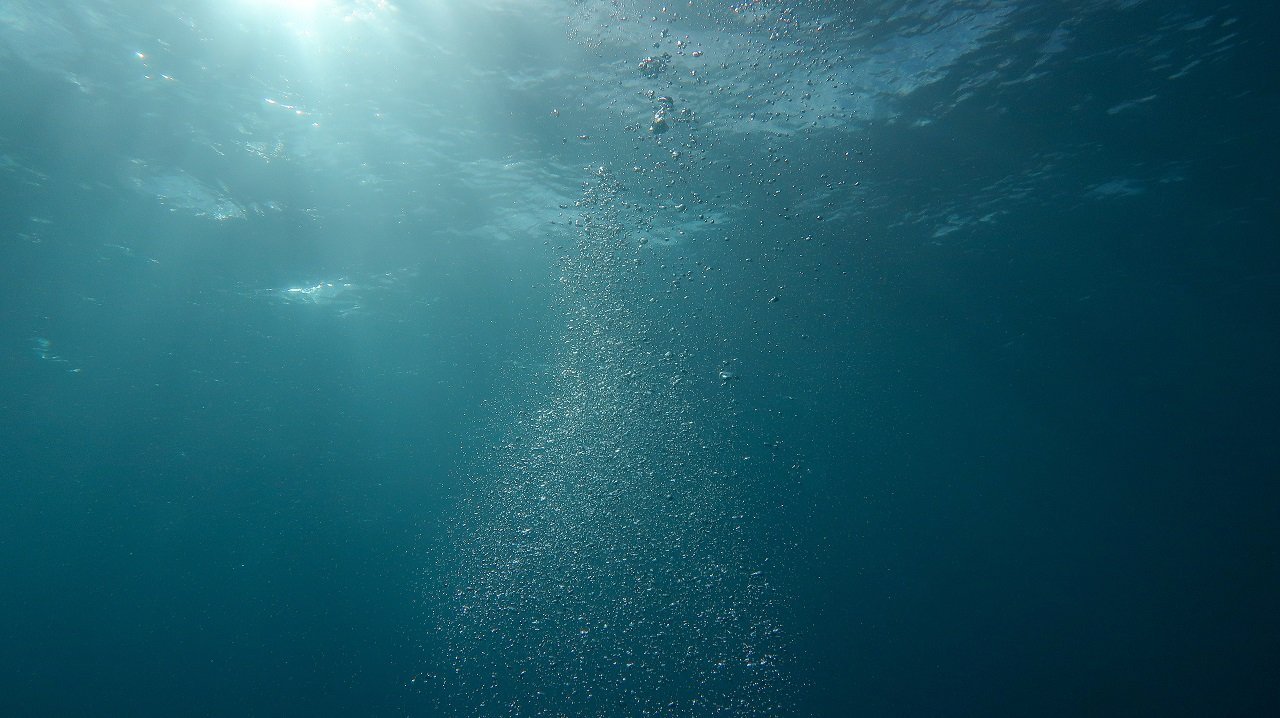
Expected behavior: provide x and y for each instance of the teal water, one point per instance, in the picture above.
(591, 358)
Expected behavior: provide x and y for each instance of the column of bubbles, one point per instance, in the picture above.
(604, 564)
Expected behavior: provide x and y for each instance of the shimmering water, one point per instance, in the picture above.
(612, 358)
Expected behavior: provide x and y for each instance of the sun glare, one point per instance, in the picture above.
(288, 10)
(294, 11)
(297, 6)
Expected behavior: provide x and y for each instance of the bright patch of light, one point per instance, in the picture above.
(311, 18)
(302, 7)
(287, 11)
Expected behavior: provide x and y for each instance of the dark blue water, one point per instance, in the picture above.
(603, 358)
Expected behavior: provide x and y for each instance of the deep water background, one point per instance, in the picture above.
(956, 322)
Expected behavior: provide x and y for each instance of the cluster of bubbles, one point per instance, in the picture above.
(606, 565)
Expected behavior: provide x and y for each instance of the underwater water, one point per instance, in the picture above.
(625, 358)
